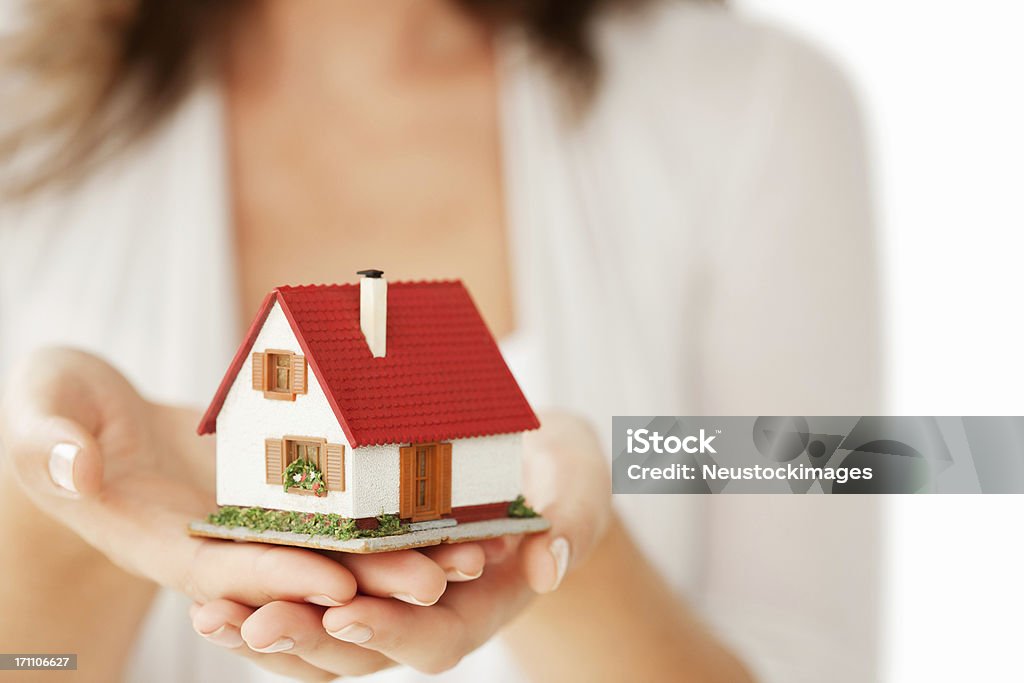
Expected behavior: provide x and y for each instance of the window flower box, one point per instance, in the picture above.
(304, 478)
(298, 491)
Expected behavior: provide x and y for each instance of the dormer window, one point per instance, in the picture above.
(279, 374)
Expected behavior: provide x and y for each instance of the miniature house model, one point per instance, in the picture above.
(370, 399)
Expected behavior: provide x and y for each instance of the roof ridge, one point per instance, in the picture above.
(345, 285)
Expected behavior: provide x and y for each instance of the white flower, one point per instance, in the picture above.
(296, 478)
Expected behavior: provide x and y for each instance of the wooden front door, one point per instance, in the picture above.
(425, 491)
(425, 486)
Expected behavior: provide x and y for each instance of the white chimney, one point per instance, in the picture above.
(373, 310)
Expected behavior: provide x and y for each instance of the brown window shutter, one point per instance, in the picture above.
(298, 375)
(275, 461)
(445, 457)
(405, 487)
(335, 470)
(259, 363)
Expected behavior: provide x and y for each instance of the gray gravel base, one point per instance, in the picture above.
(468, 531)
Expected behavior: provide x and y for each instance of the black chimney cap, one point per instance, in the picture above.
(371, 273)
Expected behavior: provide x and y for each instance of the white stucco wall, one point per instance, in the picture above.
(375, 480)
(247, 419)
(484, 469)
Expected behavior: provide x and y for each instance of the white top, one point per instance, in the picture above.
(700, 245)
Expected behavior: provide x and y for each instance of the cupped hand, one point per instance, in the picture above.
(128, 476)
(566, 477)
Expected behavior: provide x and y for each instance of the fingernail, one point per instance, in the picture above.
(62, 465)
(324, 601)
(560, 551)
(226, 636)
(277, 646)
(353, 633)
(456, 575)
(413, 600)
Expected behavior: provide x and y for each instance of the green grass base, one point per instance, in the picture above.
(326, 524)
(311, 523)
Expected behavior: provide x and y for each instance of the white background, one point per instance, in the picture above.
(942, 85)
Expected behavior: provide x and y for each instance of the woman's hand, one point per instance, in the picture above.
(566, 477)
(128, 476)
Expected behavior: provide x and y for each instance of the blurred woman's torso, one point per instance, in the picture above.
(345, 153)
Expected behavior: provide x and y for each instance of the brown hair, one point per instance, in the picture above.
(104, 72)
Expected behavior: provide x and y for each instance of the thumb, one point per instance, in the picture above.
(565, 466)
(54, 455)
(46, 427)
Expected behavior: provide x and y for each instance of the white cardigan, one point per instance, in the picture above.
(700, 244)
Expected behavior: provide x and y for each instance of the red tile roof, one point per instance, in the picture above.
(443, 376)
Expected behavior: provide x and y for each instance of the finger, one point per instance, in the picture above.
(460, 561)
(406, 575)
(298, 630)
(546, 561)
(53, 455)
(432, 640)
(569, 479)
(436, 639)
(52, 417)
(547, 557)
(498, 550)
(220, 622)
(255, 574)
